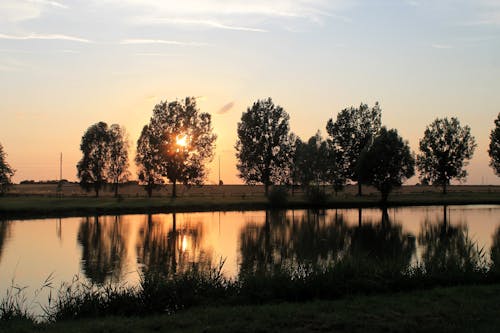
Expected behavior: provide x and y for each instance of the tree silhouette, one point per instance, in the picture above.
(353, 132)
(494, 148)
(118, 156)
(387, 163)
(264, 146)
(445, 150)
(92, 168)
(6, 172)
(183, 138)
(147, 159)
(314, 162)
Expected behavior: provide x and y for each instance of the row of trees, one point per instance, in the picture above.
(178, 142)
(358, 149)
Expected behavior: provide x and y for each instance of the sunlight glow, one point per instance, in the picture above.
(182, 140)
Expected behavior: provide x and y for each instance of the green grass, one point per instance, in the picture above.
(456, 309)
(40, 206)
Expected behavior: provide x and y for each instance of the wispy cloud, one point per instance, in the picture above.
(442, 46)
(45, 37)
(201, 22)
(226, 108)
(161, 41)
(21, 10)
(155, 54)
(240, 15)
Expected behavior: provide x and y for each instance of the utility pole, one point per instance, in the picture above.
(219, 169)
(60, 168)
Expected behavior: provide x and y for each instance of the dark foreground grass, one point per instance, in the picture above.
(39, 206)
(454, 309)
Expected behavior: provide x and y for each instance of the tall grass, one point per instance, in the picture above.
(160, 293)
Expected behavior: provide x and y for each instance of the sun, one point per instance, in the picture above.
(181, 140)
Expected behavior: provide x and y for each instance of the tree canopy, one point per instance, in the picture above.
(352, 132)
(147, 159)
(118, 156)
(494, 147)
(105, 157)
(264, 145)
(181, 138)
(387, 163)
(6, 172)
(444, 152)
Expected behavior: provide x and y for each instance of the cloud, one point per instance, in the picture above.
(240, 15)
(442, 46)
(160, 41)
(226, 108)
(21, 10)
(45, 37)
(201, 22)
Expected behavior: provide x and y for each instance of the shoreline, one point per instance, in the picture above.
(35, 206)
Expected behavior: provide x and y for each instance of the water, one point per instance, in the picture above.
(119, 248)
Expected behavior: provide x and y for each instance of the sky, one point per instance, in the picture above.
(65, 65)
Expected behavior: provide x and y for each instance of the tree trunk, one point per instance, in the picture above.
(149, 189)
(174, 189)
(385, 195)
(96, 192)
(360, 216)
(266, 189)
(359, 188)
(444, 187)
(116, 189)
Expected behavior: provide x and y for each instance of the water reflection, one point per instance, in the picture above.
(495, 251)
(4, 235)
(167, 248)
(448, 247)
(103, 241)
(382, 241)
(121, 248)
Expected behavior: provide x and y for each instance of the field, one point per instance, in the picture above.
(133, 190)
(40, 200)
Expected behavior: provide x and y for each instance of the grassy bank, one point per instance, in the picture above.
(45, 206)
(456, 309)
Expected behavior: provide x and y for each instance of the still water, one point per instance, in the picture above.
(119, 248)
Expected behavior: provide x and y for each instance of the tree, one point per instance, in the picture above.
(387, 163)
(184, 139)
(494, 148)
(264, 145)
(92, 168)
(445, 150)
(118, 156)
(315, 161)
(6, 172)
(147, 159)
(351, 133)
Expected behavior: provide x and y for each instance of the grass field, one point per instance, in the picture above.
(34, 200)
(456, 309)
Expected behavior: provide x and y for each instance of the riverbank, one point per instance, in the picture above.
(454, 309)
(37, 206)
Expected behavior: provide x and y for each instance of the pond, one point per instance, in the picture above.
(119, 249)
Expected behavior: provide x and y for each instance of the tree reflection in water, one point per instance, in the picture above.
(4, 234)
(383, 242)
(448, 248)
(165, 248)
(103, 241)
(495, 252)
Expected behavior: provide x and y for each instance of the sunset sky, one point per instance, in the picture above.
(65, 65)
